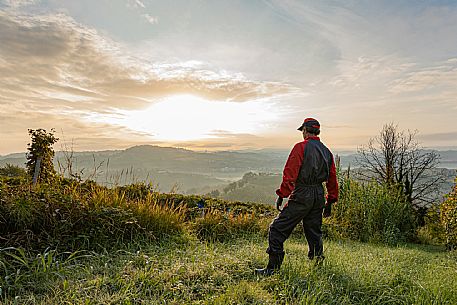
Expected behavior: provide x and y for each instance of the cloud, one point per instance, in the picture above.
(441, 75)
(51, 66)
(150, 19)
(135, 4)
(86, 136)
(54, 53)
(15, 4)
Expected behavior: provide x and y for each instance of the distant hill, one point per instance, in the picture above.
(168, 167)
(253, 187)
(182, 170)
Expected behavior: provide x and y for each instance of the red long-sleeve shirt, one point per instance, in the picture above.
(292, 170)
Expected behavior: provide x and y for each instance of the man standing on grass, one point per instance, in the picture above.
(310, 163)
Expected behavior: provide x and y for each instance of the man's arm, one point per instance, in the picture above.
(332, 185)
(291, 170)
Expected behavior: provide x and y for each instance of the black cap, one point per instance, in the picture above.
(310, 122)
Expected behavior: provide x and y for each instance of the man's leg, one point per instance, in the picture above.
(312, 227)
(283, 225)
(280, 229)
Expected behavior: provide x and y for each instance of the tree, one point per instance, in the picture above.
(396, 159)
(41, 151)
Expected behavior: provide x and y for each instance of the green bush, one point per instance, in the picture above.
(10, 170)
(432, 232)
(371, 212)
(75, 215)
(448, 218)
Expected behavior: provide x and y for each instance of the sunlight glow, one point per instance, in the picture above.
(187, 117)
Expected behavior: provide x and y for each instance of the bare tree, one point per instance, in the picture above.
(395, 158)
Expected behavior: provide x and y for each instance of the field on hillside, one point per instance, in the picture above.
(73, 242)
(177, 271)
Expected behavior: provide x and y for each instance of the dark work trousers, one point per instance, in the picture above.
(309, 210)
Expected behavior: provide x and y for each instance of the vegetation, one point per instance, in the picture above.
(68, 241)
(10, 170)
(71, 215)
(371, 212)
(449, 218)
(194, 272)
(396, 160)
(40, 155)
(80, 242)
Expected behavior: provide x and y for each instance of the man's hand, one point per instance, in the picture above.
(327, 210)
(278, 203)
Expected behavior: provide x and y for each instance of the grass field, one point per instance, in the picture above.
(187, 271)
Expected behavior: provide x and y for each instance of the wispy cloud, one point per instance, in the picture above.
(150, 19)
(53, 66)
(15, 4)
(54, 53)
(441, 75)
(134, 4)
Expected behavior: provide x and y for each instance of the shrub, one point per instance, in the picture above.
(69, 214)
(371, 212)
(41, 151)
(77, 215)
(432, 232)
(10, 170)
(448, 217)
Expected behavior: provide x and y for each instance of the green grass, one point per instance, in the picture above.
(190, 271)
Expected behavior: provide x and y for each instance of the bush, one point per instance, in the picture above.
(12, 171)
(432, 232)
(75, 215)
(370, 212)
(448, 217)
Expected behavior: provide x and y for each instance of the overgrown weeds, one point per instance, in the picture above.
(218, 226)
(371, 212)
(73, 215)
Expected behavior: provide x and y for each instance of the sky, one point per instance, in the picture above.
(226, 75)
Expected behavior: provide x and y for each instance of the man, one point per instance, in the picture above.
(310, 163)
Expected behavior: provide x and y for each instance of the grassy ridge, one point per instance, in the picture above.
(82, 243)
(69, 215)
(195, 272)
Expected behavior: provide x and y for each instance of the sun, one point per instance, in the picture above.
(189, 118)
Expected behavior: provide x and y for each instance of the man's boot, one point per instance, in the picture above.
(274, 263)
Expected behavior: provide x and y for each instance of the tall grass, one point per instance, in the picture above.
(24, 271)
(371, 212)
(218, 226)
(72, 216)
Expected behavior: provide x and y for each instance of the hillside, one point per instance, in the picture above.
(168, 168)
(185, 171)
(83, 243)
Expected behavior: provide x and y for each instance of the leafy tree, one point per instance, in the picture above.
(396, 159)
(448, 217)
(41, 149)
(10, 170)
